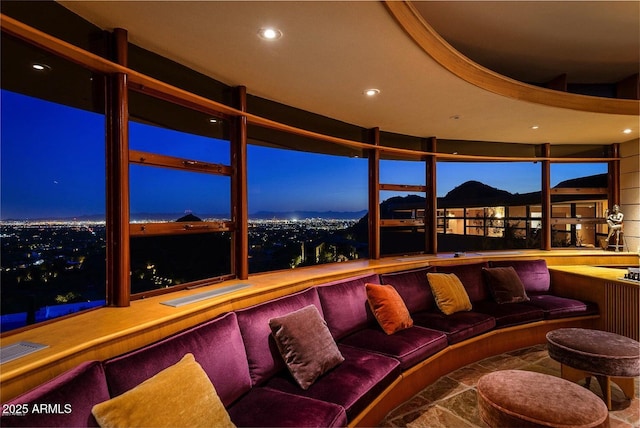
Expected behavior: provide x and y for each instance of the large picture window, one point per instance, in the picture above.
(578, 204)
(53, 210)
(180, 197)
(488, 206)
(402, 206)
(305, 208)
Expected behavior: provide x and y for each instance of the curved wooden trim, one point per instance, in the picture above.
(145, 84)
(444, 54)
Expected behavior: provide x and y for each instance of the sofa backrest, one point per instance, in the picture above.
(65, 401)
(216, 345)
(345, 306)
(262, 352)
(534, 274)
(413, 286)
(471, 277)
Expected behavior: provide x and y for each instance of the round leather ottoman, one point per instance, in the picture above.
(607, 356)
(518, 398)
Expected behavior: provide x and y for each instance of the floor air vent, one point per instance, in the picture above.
(203, 296)
(17, 350)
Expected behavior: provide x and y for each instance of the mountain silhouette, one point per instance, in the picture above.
(473, 192)
(188, 218)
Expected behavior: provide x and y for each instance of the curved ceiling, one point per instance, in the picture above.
(330, 52)
(535, 41)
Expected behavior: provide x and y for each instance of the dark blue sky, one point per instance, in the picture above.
(52, 165)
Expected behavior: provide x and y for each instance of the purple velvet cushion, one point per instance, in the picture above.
(225, 365)
(507, 314)
(458, 326)
(263, 355)
(353, 384)
(409, 346)
(471, 277)
(306, 345)
(559, 307)
(267, 407)
(345, 305)
(505, 285)
(72, 394)
(413, 287)
(534, 274)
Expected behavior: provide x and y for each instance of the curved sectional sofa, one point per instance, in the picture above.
(239, 354)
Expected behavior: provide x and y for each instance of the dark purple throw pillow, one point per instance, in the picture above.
(306, 345)
(505, 285)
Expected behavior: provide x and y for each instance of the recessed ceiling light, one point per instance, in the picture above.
(372, 92)
(213, 120)
(627, 131)
(38, 66)
(269, 33)
(535, 127)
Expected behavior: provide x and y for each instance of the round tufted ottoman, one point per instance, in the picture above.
(518, 398)
(607, 356)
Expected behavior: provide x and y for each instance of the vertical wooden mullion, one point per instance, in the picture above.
(239, 198)
(431, 200)
(374, 195)
(613, 175)
(117, 154)
(545, 241)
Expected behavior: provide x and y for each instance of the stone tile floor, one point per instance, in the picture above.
(451, 401)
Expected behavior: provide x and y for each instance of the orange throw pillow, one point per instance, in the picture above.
(388, 308)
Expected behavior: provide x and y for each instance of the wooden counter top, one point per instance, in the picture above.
(606, 273)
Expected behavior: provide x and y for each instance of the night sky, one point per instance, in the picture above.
(52, 166)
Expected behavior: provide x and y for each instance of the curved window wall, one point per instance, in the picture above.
(192, 186)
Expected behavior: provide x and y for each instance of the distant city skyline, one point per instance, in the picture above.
(52, 166)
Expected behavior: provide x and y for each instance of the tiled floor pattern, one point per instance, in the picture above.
(451, 401)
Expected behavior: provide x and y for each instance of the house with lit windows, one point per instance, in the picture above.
(231, 153)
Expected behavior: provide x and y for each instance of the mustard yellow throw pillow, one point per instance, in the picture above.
(179, 396)
(449, 293)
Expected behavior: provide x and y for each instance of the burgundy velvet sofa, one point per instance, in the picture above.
(238, 353)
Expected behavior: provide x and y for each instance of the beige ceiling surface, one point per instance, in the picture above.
(329, 54)
(535, 41)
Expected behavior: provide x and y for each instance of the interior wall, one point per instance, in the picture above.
(630, 193)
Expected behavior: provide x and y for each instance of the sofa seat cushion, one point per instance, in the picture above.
(458, 326)
(267, 407)
(413, 287)
(409, 346)
(560, 307)
(471, 277)
(507, 314)
(263, 355)
(226, 366)
(353, 384)
(73, 393)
